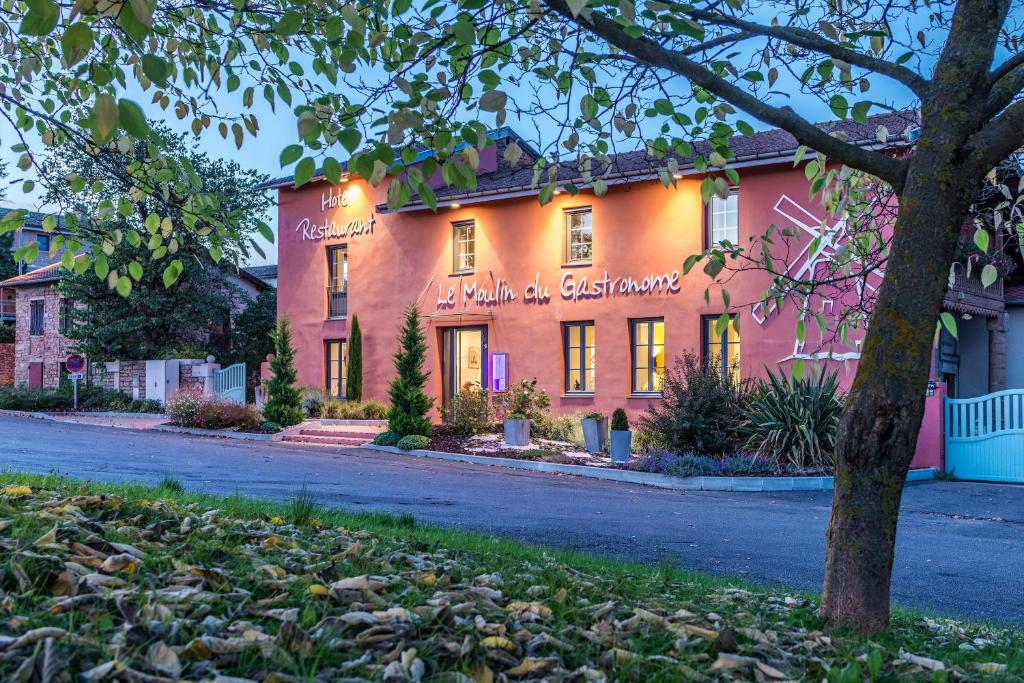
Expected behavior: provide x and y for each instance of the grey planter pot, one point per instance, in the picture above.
(517, 432)
(595, 434)
(622, 445)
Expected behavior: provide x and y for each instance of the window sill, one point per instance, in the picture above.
(578, 394)
(578, 264)
(460, 273)
(647, 394)
(336, 317)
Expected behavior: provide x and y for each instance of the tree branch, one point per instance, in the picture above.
(1000, 138)
(889, 169)
(812, 41)
(1007, 82)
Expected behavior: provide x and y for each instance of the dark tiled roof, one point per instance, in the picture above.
(33, 219)
(1014, 294)
(761, 145)
(497, 134)
(50, 273)
(262, 272)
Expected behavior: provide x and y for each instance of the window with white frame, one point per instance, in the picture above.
(463, 246)
(579, 236)
(723, 219)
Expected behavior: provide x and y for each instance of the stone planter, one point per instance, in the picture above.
(622, 445)
(595, 434)
(517, 432)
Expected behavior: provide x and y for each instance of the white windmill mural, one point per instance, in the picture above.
(808, 263)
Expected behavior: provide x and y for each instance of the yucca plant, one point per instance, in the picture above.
(794, 420)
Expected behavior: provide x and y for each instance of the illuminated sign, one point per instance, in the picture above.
(328, 229)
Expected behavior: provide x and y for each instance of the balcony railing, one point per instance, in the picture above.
(968, 294)
(337, 302)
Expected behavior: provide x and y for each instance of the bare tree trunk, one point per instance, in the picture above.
(878, 431)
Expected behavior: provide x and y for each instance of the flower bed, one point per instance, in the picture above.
(190, 408)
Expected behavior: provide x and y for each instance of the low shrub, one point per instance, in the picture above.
(700, 411)
(334, 409)
(90, 398)
(645, 441)
(183, 406)
(387, 439)
(469, 412)
(565, 428)
(620, 423)
(6, 333)
(523, 398)
(794, 420)
(374, 410)
(413, 442)
(312, 400)
(218, 414)
(663, 462)
(270, 427)
(331, 409)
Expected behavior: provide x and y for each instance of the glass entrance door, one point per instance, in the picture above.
(463, 359)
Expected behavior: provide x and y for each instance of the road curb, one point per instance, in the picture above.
(223, 434)
(663, 481)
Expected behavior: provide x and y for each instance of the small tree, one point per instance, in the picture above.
(409, 404)
(284, 400)
(354, 383)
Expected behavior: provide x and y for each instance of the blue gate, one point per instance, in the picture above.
(229, 383)
(985, 436)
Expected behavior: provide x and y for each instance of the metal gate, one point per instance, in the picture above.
(985, 436)
(229, 383)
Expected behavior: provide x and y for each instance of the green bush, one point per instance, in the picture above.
(794, 420)
(331, 409)
(620, 423)
(270, 427)
(700, 411)
(565, 428)
(413, 441)
(90, 398)
(284, 400)
(6, 332)
(312, 400)
(387, 439)
(374, 410)
(184, 405)
(469, 411)
(523, 400)
(409, 403)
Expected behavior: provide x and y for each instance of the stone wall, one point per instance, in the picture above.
(49, 348)
(6, 363)
(129, 376)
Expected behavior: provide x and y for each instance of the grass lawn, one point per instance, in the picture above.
(124, 582)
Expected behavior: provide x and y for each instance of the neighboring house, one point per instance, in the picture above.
(41, 346)
(266, 273)
(31, 231)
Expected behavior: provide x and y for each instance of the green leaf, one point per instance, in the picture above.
(135, 270)
(949, 322)
(304, 171)
(859, 113)
(216, 253)
(100, 266)
(124, 286)
(41, 18)
(49, 223)
(290, 154)
(839, 106)
(171, 273)
(398, 194)
(155, 69)
(722, 324)
(132, 119)
(332, 170)
(577, 6)
(104, 117)
(350, 139)
(989, 275)
(289, 24)
(76, 42)
(266, 231)
(981, 239)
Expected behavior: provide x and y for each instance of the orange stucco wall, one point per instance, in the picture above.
(640, 229)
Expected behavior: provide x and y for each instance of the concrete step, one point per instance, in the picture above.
(348, 434)
(333, 440)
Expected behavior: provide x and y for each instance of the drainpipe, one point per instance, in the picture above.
(997, 352)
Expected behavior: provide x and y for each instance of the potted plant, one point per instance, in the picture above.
(595, 432)
(517, 430)
(622, 438)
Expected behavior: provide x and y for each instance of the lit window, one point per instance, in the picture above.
(579, 236)
(336, 367)
(337, 281)
(578, 347)
(464, 246)
(723, 219)
(721, 350)
(647, 338)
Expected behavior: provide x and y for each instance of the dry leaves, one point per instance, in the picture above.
(153, 591)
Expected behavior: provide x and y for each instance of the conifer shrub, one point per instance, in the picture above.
(354, 381)
(409, 402)
(284, 399)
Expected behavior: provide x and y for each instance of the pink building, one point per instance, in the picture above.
(586, 294)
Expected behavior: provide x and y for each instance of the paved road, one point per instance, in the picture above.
(959, 550)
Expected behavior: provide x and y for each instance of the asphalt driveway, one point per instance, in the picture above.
(959, 550)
